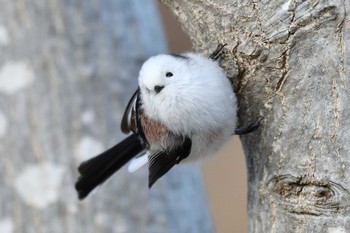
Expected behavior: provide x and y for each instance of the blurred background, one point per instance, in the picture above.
(226, 174)
(67, 71)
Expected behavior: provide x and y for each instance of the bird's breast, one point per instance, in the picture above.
(155, 132)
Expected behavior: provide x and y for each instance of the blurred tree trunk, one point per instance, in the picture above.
(289, 61)
(67, 70)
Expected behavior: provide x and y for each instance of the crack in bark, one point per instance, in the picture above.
(285, 55)
(312, 156)
(255, 7)
(284, 69)
(336, 109)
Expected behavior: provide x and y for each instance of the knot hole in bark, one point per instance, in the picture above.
(308, 195)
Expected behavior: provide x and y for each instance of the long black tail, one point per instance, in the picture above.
(96, 170)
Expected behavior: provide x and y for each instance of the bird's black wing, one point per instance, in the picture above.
(161, 162)
(129, 118)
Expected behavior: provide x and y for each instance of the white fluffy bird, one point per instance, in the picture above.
(184, 110)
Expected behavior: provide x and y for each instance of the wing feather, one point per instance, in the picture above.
(160, 163)
(129, 121)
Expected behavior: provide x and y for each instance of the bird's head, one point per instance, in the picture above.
(163, 73)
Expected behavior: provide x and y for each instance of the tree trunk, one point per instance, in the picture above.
(289, 63)
(67, 70)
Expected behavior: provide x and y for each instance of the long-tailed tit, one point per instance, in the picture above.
(184, 110)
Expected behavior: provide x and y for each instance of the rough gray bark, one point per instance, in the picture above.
(289, 62)
(67, 69)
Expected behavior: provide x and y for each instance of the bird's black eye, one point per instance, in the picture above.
(168, 74)
(158, 89)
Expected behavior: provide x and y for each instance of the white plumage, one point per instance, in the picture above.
(197, 100)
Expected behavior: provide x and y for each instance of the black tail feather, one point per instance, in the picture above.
(96, 170)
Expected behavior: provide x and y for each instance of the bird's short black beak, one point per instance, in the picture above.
(158, 89)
